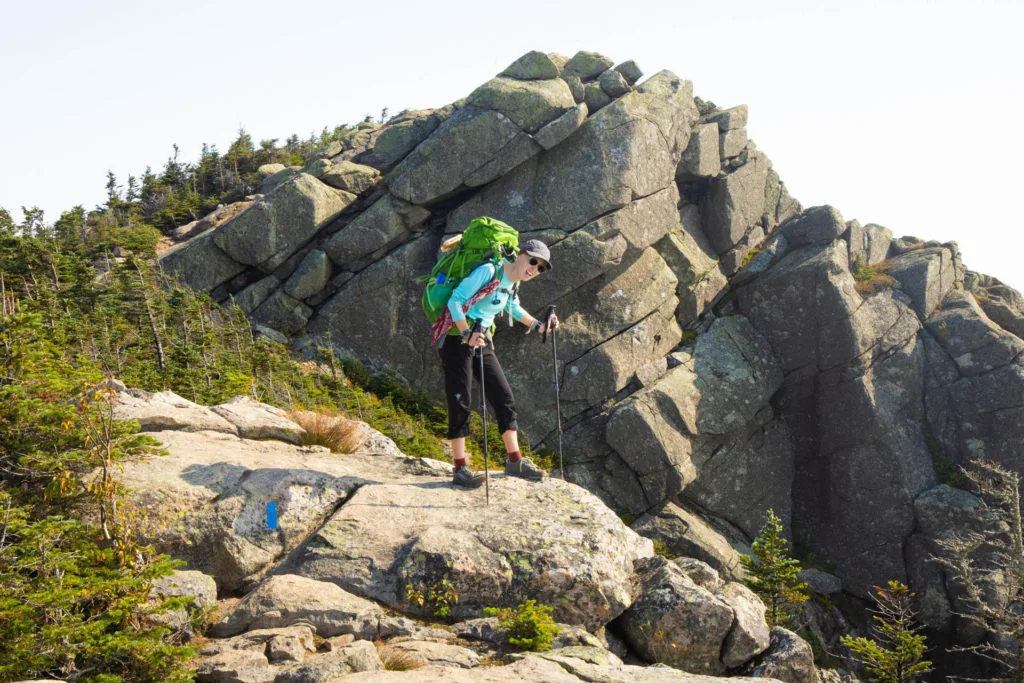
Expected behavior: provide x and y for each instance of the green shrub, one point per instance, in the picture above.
(71, 609)
(439, 598)
(529, 626)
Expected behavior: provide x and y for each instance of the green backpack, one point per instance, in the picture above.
(485, 239)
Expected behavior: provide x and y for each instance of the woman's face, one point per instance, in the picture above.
(529, 267)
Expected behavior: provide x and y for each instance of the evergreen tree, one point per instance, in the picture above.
(7, 225)
(33, 224)
(773, 575)
(896, 653)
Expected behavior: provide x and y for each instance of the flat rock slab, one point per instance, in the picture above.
(439, 654)
(207, 499)
(553, 542)
(544, 669)
(255, 420)
(287, 599)
(166, 410)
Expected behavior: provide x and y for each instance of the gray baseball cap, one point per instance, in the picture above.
(537, 249)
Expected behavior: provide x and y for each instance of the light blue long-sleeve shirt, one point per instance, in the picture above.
(504, 298)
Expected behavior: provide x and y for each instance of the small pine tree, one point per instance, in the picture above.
(773, 575)
(896, 653)
(530, 625)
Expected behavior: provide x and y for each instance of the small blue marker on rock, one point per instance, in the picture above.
(271, 516)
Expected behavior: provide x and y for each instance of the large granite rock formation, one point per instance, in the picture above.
(723, 350)
(357, 535)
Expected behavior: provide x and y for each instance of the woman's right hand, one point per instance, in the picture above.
(477, 339)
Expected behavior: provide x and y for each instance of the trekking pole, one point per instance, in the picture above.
(483, 415)
(554, 369)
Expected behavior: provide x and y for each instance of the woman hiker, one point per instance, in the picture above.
(483, 294)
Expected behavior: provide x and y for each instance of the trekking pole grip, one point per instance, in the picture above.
(547, 321)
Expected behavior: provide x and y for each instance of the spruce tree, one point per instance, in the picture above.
(896, 653)
(773, 575)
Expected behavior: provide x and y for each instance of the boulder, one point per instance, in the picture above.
(533, 66)
(470, 139)
(437, 654)
(255, 420)
(562, 127)
(188, 584)
(676, 622)
(876, 243)
(586, 65)
(528, 104)
(286, 599)
(630, 71)
(270, 183)
(400, 137)
(267, 170)
(271, 230)
(200, 263)
(533, 541)
(284, 313)
(734, 203)
(249, 657)
(652, 435)
(351, 659)
(691, 258)
(376, 315)
(317, 167)
(684, 533)
(310, 277)
(750, 634)
(927, 275)
(613, 83)
(389, 221)
(702, 158)
(817, 225)
(789, 658)
(579, 92)
(975, 343)
(250, 298)
(350, 177)
(701, 573)
(166, 410)
(732, 142)
(821, 582)
(595, 97)
(184, 584)
(730, 119)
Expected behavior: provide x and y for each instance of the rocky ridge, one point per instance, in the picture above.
(355, 533)
(720, 354)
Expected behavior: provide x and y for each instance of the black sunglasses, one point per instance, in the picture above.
(539, 265)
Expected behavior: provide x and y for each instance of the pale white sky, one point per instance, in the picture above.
(904, 113)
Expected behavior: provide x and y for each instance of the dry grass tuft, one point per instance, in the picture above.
(396, 659)
(876, 283)
(337, 432)
(869, 280)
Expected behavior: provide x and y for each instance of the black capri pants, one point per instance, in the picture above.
(460, 362)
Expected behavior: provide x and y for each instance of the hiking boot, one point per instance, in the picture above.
(524, 468)
(467, 478)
